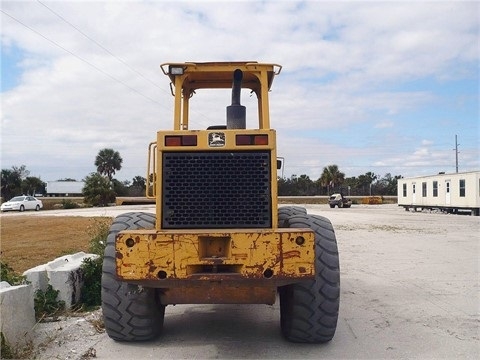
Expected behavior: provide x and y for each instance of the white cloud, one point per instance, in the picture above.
(344, 66)
(384, 124)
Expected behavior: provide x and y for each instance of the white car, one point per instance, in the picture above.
(22, 203)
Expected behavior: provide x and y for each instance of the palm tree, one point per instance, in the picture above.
(331, 176)
(107, 161)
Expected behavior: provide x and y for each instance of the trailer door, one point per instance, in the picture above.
(447, 192)
(414, 195)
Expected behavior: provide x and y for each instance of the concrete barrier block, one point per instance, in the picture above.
(65, 275)
(38, 277)
(4, 285)
(17, 314)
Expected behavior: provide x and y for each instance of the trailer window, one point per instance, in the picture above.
(424, 189)
(413, 188)
(435, 189)
(404, 190)
(462, 187)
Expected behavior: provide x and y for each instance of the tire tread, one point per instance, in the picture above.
(131, 312)
(309, 309)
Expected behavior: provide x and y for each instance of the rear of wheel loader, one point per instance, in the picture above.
(218, 236)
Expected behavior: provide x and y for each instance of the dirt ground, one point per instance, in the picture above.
(28, 241)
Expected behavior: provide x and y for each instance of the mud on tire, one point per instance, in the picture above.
(131, 312)
(309, 309)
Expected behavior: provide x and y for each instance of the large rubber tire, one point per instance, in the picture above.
(285, 212)
(130, 312)
(309, 309)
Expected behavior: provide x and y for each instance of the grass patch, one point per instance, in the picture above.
(92, 283)
(29, 241)
(10, 352)
(47, 304)
(69, 204)
(92, 267)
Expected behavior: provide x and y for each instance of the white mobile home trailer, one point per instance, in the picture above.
(448, 192)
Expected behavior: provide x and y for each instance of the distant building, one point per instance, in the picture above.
(65, 188)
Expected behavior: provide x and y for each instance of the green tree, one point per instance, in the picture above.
(387, 185)
(304, 185)
(331, 178)
(296, 186)
(284, 187)
(351, 184)
(32, 185)
(11, 181)
(107, 162)
(120, 187)
(365, 182)
(97, 190)
(22, 171)
(138, 186)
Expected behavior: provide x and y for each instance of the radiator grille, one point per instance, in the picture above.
(216, 190)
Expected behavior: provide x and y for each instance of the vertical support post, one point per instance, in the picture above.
(184, 123)
(177, 115)
(265, 114)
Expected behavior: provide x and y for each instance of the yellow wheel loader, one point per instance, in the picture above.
(218, 236)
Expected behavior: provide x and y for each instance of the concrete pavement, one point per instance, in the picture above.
(409, 289)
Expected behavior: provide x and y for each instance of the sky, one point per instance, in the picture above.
(376, 86)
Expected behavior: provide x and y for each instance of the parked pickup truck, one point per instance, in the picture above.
(339, 200)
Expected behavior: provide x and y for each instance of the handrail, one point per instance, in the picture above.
(151, 188)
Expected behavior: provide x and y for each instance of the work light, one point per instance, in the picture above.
(175, 70)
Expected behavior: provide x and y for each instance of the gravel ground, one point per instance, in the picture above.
(69, 337)
(410, 289)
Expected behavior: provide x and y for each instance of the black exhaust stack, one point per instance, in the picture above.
(236, 113)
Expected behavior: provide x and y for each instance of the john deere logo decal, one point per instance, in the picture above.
(216, 139)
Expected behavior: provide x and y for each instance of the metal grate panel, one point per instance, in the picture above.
(216, 190)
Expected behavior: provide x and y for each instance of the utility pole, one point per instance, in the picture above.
(456, 154)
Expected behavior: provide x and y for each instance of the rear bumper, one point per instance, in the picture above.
(198, 258)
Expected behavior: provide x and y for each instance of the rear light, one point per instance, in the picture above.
(251, 140)
(189, 140)
(260, 139)
(173, 141)
(243, 140)
(181, 140)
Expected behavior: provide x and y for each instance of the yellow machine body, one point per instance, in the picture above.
(216, 237)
